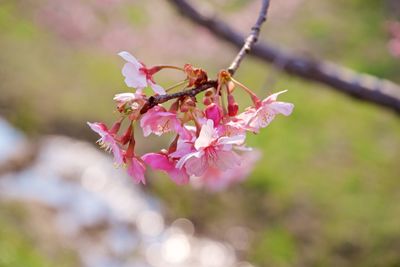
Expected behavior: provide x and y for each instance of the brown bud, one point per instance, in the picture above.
(188, 103)
(209, 92)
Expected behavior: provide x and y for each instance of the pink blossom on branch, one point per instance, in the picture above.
(137, 75)
(262, 114)
(164, 162)
(159, 121)
(136, 169)
(211, 150)
(216, 180)
(107, 141)
(209, 140)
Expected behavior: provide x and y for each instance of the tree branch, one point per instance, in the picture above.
(361, 86)
(159, 99)
(251, 39)
(246, 48)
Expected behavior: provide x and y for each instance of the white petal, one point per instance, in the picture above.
(273, 97)
(124, 97)
(206, 136)
(244, 148)
(282, 108)
(133, 77)
(129, 58)
(157, 88)
(232, 140)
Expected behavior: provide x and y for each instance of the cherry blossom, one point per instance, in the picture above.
(159, 121)
(107, 141)
(208, 146)
(260, 116)
(164, 162)
(136, 169)
(217, 180)
(137, 75)
(214, 112)
(211, 150)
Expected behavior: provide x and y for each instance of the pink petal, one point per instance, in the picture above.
(183, 148)
(179, 176)
(214, 112)
(182, 161)
(158, 161)
(227, 160)
(159, 121)
(196, 166)
(136, 170)
(161, 162)
(98, 127)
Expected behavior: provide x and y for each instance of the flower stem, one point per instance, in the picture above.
(253, 96)
(169, 67)
(176, 85)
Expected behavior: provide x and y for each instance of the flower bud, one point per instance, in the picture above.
(188, 103)
(214, 112)
(209, 93)
(233, 106)
(207, 101)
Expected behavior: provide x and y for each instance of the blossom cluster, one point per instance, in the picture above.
(208, 143)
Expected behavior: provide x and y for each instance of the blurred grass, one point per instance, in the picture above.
(21, 243)
(326, 192)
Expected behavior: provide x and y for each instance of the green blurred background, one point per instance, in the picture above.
(327, 189)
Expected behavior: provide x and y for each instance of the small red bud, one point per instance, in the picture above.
(214, 112)
(233, 106)
(233, 109)
(207, 101)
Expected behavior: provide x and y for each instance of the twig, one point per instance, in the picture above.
(361, 86)
(246, 48)
(159, 99)
(251, 39)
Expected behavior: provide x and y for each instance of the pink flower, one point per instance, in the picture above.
(216, 180)
(211, 150)
(136, 169)
(164, 162)
(159, 121)
(261, 116)
(137, 75)
(107, 141)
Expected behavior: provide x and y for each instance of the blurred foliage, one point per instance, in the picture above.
(326, 192)
(21, 242)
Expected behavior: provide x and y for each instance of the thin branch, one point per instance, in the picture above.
(246, 48)
(361, 86)
(251, 39)
(159, 99)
